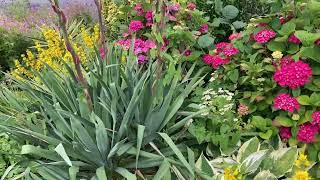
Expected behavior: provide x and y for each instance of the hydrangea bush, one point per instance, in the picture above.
(272, 68)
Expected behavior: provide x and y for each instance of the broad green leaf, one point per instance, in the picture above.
(249, 147)
(304, 100)
(230, 12)
(267, 135)
(239, 24)
(284, 121)
(307, 38)
(61, 151)
(281, 161)
(204, 166)
(252, 162)
(205, 41)
(287, 28)
(276, 46)
(265, 175)
(234, 76)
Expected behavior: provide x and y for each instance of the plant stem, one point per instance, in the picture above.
(102, 26)
(75, 57)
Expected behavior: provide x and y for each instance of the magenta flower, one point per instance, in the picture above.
(285, 133)
(174, 8)
(264, 36)
(204, 28)
(191, 6)
(234, 36)
(293, 75)
(294, 39)
(220, 46)
(286, 102)
(217, 61)
(138, 8)
(282, 20)
(187, 53)
(316, 118)
(102, 53)
(135, 26)
(230, 51)
(317, 42)
(207, 58)
(307, 133)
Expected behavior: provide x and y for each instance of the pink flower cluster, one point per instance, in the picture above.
(294, 39)
(286, 102)
(307, 133)
(135, 26)
(141, 48)
(316, 118)
(317, 42)
(234, 36)
(204, 28)
(293, 75)
(148, 15)
(264, 36)
(223, 52)
(215, 60)
(285, 133)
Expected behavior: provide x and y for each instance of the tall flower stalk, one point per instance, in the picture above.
(75, 57)
(102, 27)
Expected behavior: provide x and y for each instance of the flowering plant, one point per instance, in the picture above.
(274, 71)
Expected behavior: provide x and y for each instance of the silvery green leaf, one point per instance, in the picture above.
(265, 175)
(252, 162)
(248, 148)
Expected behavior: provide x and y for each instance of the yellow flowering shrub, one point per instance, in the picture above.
(54, 53)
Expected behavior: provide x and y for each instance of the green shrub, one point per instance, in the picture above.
(273, 81)
(12, 45)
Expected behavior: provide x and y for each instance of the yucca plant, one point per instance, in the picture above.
(134, 127)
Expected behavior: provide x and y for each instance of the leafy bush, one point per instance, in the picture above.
(12, 45)
(272, 70)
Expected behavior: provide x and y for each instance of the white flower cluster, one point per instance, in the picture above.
(210, 96)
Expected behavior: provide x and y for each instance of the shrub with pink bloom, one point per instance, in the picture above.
(294, 39)
(264, 36)
(307, 133)
(293, 75)
(135, 26)
(204, 28)
(286, 102)
(285, 133)
(220, 46)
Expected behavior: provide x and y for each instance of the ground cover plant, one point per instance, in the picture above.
(167, 90)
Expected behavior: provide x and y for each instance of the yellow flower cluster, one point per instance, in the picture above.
(230, 174)
(52, 52)
(301, 175)
(277, 55)
(302, 163)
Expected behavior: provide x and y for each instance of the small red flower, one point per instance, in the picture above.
(316, 118)
(230, 51)
(204, 28)
(191, 6)
(285, 133)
